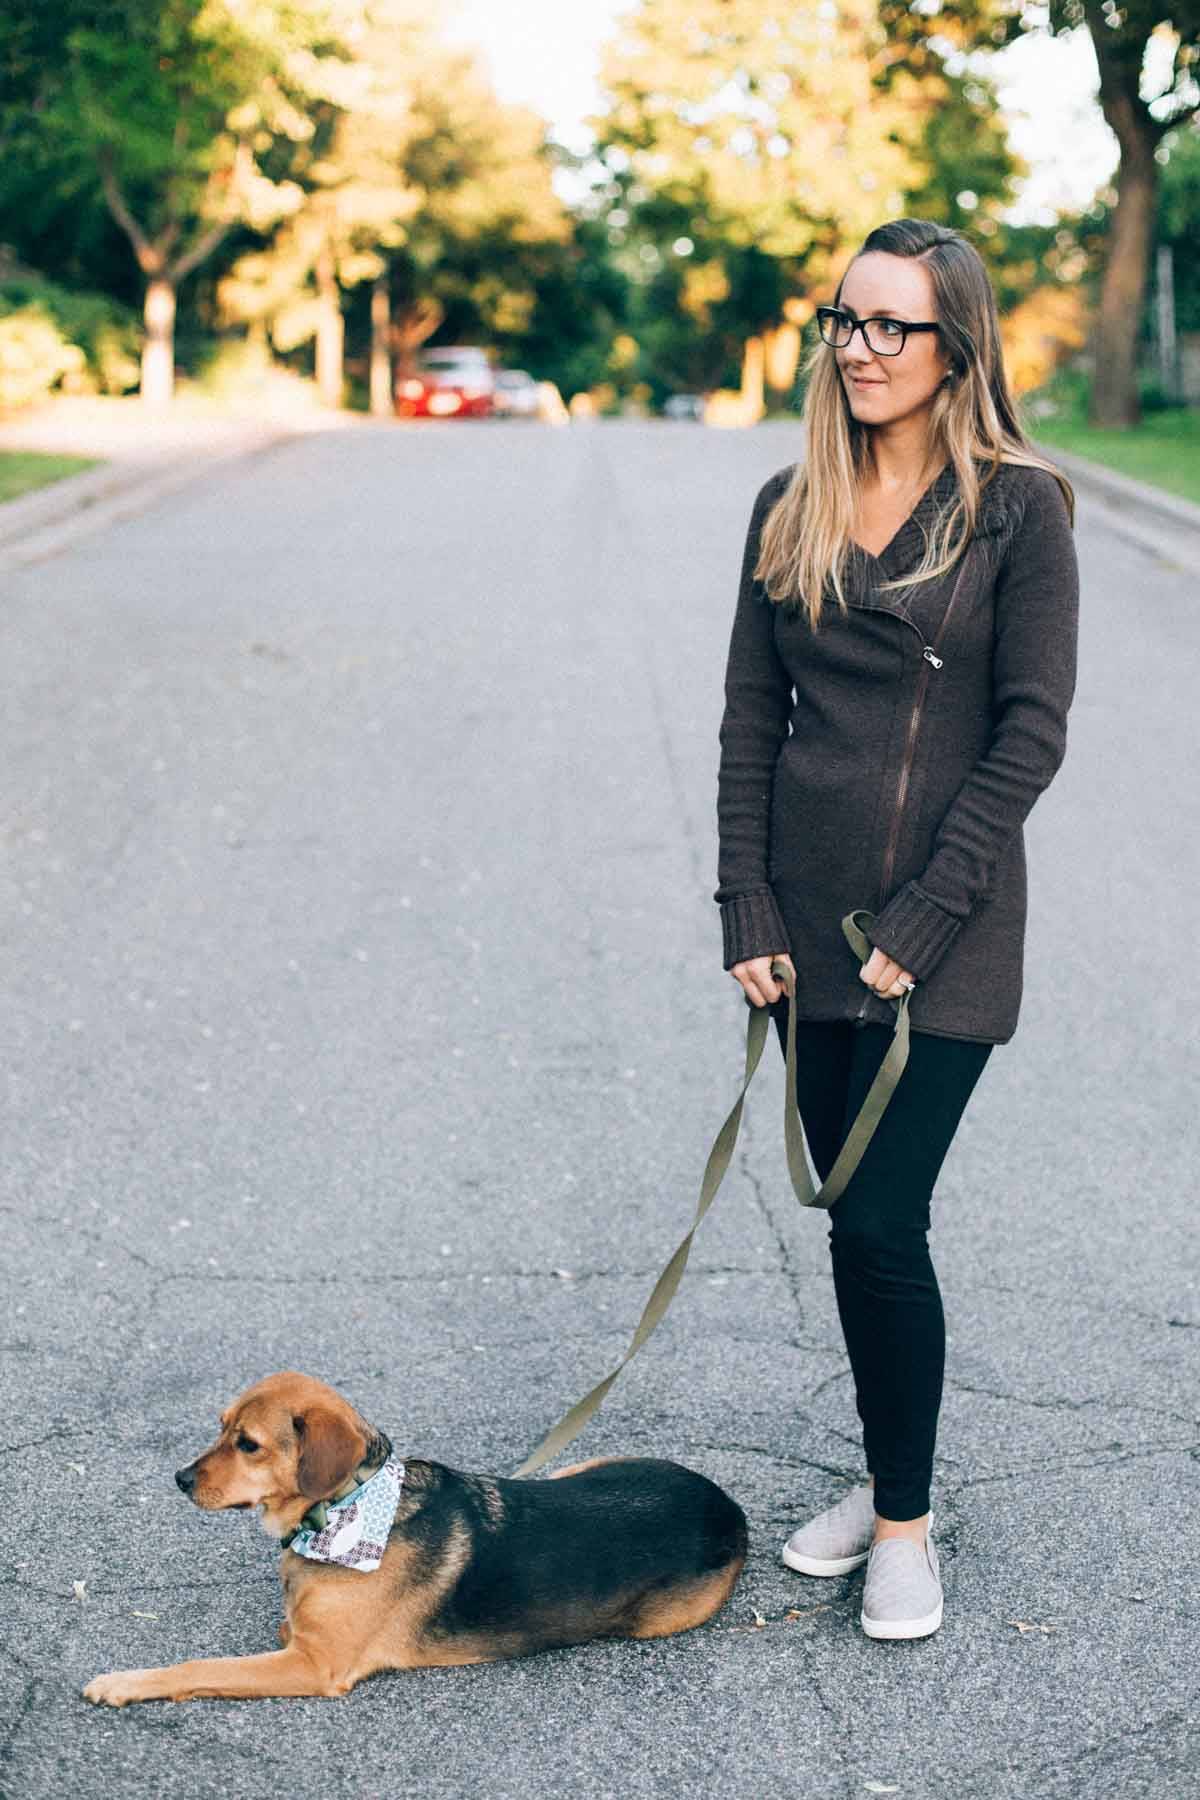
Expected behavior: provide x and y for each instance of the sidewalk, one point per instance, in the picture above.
(144, 458)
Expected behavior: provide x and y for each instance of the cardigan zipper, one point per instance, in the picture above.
(929, 659)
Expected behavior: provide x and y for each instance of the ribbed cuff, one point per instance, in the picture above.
(914, 931)
(753, 926)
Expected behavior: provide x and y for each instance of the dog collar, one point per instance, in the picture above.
(351, 1526)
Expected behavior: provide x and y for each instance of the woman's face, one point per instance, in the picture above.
(884, 389)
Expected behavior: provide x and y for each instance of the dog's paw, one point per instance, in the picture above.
(118, 1688)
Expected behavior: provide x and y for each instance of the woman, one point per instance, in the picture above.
(900, 668)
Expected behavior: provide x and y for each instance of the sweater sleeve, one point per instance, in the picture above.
(1033, 682)
(758, 703)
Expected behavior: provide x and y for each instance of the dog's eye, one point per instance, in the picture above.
(246, 1443)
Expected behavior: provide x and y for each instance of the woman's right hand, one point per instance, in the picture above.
(758, 984)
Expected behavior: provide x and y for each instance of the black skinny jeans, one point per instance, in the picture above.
(888, 1297)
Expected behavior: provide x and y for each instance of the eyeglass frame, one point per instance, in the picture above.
(906, 325)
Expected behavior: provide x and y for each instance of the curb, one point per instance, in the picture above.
(30, 512)
(1150, 517)
(37, 525)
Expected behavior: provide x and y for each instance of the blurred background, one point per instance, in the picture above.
(503, 208)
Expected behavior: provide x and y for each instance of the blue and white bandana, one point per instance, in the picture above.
(356, 1527)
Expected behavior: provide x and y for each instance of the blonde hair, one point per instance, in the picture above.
(806, 541)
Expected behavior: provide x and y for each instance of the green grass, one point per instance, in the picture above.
(23, 470)
(1163, 450)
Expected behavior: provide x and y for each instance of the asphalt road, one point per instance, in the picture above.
(363, 1014)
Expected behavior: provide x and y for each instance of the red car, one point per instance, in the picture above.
(454, 381)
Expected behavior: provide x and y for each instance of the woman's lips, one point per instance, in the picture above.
(859, 382)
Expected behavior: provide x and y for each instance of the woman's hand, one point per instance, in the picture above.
(758, 983)
(887, 977)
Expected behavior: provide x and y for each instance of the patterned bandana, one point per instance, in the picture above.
(354, 1531)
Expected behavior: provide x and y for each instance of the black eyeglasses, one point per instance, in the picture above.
(837, 328)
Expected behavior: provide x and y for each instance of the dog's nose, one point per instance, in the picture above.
(185, 1479)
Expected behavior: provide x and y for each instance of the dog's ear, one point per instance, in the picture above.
(331, 1446)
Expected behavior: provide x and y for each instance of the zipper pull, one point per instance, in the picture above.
(927, 653)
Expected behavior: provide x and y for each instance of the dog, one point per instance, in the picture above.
(467, 1569)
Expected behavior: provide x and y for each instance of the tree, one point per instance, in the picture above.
(354, 202)
(425, 185)
(490, 225)
(750, 147)
(170, 105)
(1147, 54)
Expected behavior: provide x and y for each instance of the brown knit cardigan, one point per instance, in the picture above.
(888, 760)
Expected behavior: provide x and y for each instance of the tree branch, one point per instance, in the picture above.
(204, 246)
(143, 248)
(208, 241)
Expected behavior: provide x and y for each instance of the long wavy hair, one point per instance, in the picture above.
(806, 537)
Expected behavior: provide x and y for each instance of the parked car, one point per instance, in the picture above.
(516, 394)
(450, 381)
(684, 406)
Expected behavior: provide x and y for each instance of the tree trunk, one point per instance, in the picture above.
(1119, 43)
(158, 350)
(1123, 291)
(330, 331)
(752, 379)
(382, 402)
(782, 359)
(414, 323)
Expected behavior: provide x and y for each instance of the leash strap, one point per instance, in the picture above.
(719, 1157)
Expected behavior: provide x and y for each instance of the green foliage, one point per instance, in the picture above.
(1152, 396)
(106, 332)
(1179, 220)
(747, 151)
(750, 150)
(966, 167)
(1063, 400)
(148, 81)
(33, 356)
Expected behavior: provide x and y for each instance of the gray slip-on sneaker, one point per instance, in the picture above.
(902, 1594)
(838, 1539)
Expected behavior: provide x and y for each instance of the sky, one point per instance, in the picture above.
(544, 53)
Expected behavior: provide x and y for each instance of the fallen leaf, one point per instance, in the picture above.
(80, 1589)
(804, 1612)
(1024, 1625)
(881, 1787)
(758, 1617)
(142, 1615)
(78, 1468)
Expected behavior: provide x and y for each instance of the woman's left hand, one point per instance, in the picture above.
(885, 976)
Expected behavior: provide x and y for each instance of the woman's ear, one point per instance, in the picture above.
(331, 1447)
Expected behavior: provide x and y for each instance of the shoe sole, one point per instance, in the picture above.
(838, 1565)
(902, 1628)
(822, 1565)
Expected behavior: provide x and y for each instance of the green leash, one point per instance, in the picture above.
(848, 1158)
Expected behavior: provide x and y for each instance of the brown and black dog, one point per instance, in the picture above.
(476, 1567)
